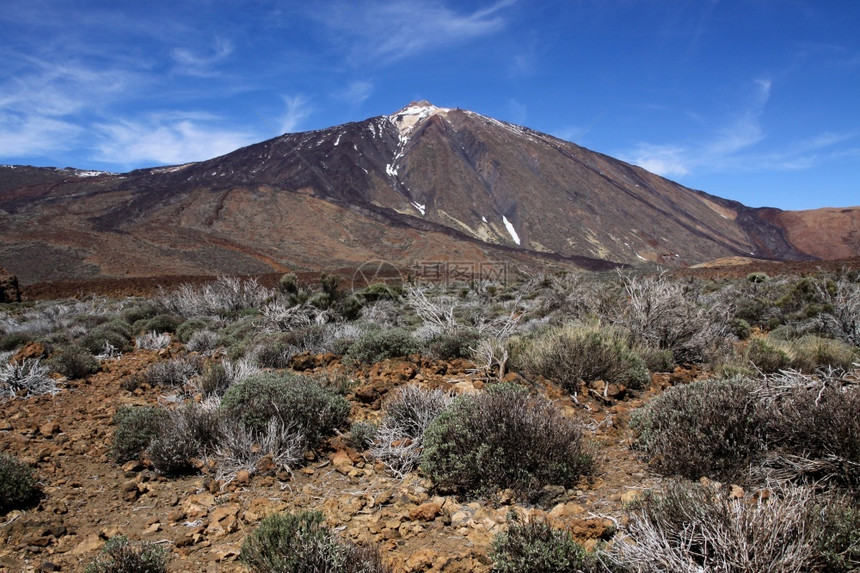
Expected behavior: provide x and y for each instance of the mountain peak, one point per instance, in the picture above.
(405, 119)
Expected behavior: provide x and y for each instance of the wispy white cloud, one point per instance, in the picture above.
(665, 160)
(197, 63)
(24, 135)
(167, 139)
(567, 133)
(392, 30)
(730, 147)
(60, 89)
(356, 93)
(298, 109)
(518, 111)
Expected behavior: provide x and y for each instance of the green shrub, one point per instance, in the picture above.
(740, 328)
(13, 341)
(811, 352)
(330, 284)
(18, 485)
(806, 353)
(120, 555)
(381, 291)
(89, 321)
(361, 434)
(141, 311)
(350, 307)
(571, 353)
(107, 333)
(534, 546)
(767, 357)
(161, 323)
(301, 543)
(185, 330)
(215, 380)
(172, 450)
(504, 438)
(289, 284)
(74, 362)
(276, 351)
(293, 400)
(136, 427)
(657, 360)
(705, 428)
(288, 542)
(239, 336)
(452, 345)
(203, 341)
(321, 300)
(377, 345)
(839, 540)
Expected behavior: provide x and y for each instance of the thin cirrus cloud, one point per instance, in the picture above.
(168, 139)
(298, 109)
(356, 93)
(725, 150)
(195, 62)
(24, 135)
(391, 31)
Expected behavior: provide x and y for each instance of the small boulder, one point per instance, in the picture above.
(9, 289)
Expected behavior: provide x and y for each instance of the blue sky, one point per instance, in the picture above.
(753, 100)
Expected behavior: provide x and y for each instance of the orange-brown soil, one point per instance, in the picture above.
(202, 522)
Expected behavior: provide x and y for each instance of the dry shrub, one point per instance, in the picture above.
(188, 432)
(812, 427)
(226, 297)
(669, 315)
(152, 340)
(24, 379)
(242, 448)
(691, 528)
(398, 441)
(175, 372)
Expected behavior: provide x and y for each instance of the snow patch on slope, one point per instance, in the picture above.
(410, 116)
(511, 230)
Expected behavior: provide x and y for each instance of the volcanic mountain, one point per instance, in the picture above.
(424, 184)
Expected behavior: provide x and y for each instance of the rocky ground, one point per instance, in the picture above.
(202, 522)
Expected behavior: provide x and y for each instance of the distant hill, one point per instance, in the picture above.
(422, 184)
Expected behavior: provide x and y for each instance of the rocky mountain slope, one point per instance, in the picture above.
(423, 184)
